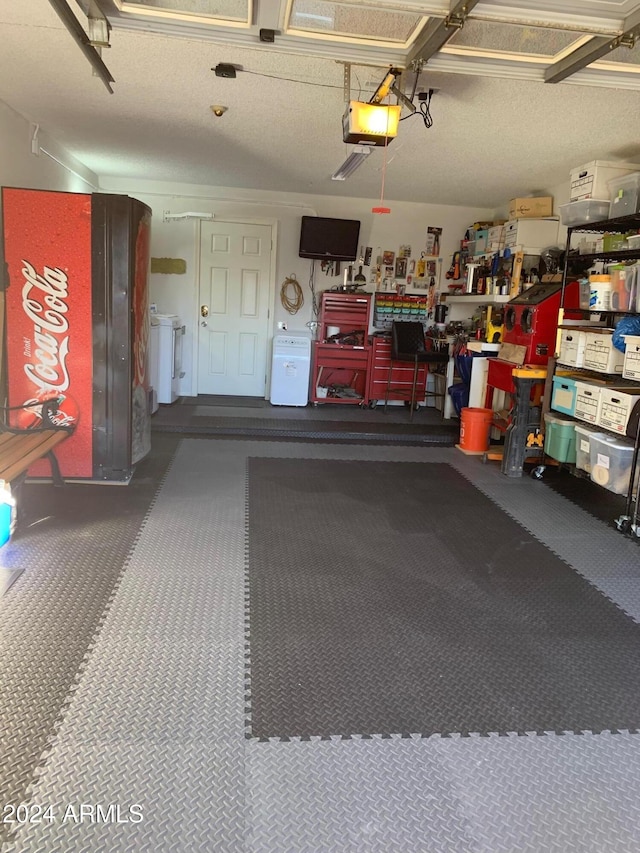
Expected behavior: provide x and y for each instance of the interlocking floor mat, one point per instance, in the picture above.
(73, 544)
(396, 598)
(223, 400)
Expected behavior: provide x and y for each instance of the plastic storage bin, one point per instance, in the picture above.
(585, 210)
(583, 445)
(600, 354)
(559, 438)
(631, 366)
(615, 408)
(563, 395)
(622, 284)
(633, 241)
(611, 459)
(624, 192)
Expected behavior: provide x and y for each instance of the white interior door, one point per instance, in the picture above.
(235, 265)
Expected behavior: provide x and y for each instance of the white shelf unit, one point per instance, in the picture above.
(482, 298)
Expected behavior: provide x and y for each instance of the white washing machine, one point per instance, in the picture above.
(290, 369)
(170, 331)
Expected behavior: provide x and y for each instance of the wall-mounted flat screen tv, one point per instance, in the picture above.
(329, 239)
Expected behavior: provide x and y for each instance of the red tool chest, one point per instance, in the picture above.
(401, 374)
(348, 312)
(340, 372)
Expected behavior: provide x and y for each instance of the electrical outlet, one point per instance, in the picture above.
(282, 325)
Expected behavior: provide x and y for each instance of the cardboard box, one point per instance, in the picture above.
(495, 238)
(631, 366)
(587, 401)
(534, 234)
(600, 354)
(515, 353)
(615, 408)
(592, 179)
(526, 208)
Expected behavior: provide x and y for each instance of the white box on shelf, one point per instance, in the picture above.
(572, 344)
(590, 180)
(495, 238)
(615, 408)
(587, 402)
(600, 354)
(611, 462)
(531, 233)
(631, 366)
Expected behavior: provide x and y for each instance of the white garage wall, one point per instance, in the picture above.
(52, 169)
(177, 294)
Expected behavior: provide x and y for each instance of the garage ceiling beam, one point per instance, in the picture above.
(82, 39)
(596, 48)
(438, 31)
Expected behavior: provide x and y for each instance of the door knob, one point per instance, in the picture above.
(204, 310)
(204, 323)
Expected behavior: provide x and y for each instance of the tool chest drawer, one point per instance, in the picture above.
(340, 374)
(401, 374)
(346, 311)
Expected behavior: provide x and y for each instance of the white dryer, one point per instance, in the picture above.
(290, 369)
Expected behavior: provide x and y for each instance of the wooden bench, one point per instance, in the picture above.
(20, 448)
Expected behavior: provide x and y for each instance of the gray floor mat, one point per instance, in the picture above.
(379, 605)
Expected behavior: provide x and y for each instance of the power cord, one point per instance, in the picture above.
(294, 303)
(424, 112)
(315, 307)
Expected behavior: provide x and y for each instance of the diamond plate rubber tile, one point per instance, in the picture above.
(185, 604)
(142, 689)
(73, 544)
(464, 634)
(191, 546)
(624, 591)
(555, 794)
(370, 796)
(191, 797)
(590, 546)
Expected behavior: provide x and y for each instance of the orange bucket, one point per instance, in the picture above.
(475, 424)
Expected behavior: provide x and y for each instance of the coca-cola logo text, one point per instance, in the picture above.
(43, 301)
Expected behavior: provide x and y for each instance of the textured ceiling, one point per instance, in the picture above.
(492, 137)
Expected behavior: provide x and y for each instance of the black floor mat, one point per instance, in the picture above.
(601, 503)
(224, 400)
(397, 598)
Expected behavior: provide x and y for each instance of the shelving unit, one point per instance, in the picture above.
(628, 522)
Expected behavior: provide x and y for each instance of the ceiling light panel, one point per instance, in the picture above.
(531, 41)
(191, 10)
(354, 22)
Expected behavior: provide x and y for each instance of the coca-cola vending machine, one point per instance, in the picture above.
(77, 324)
